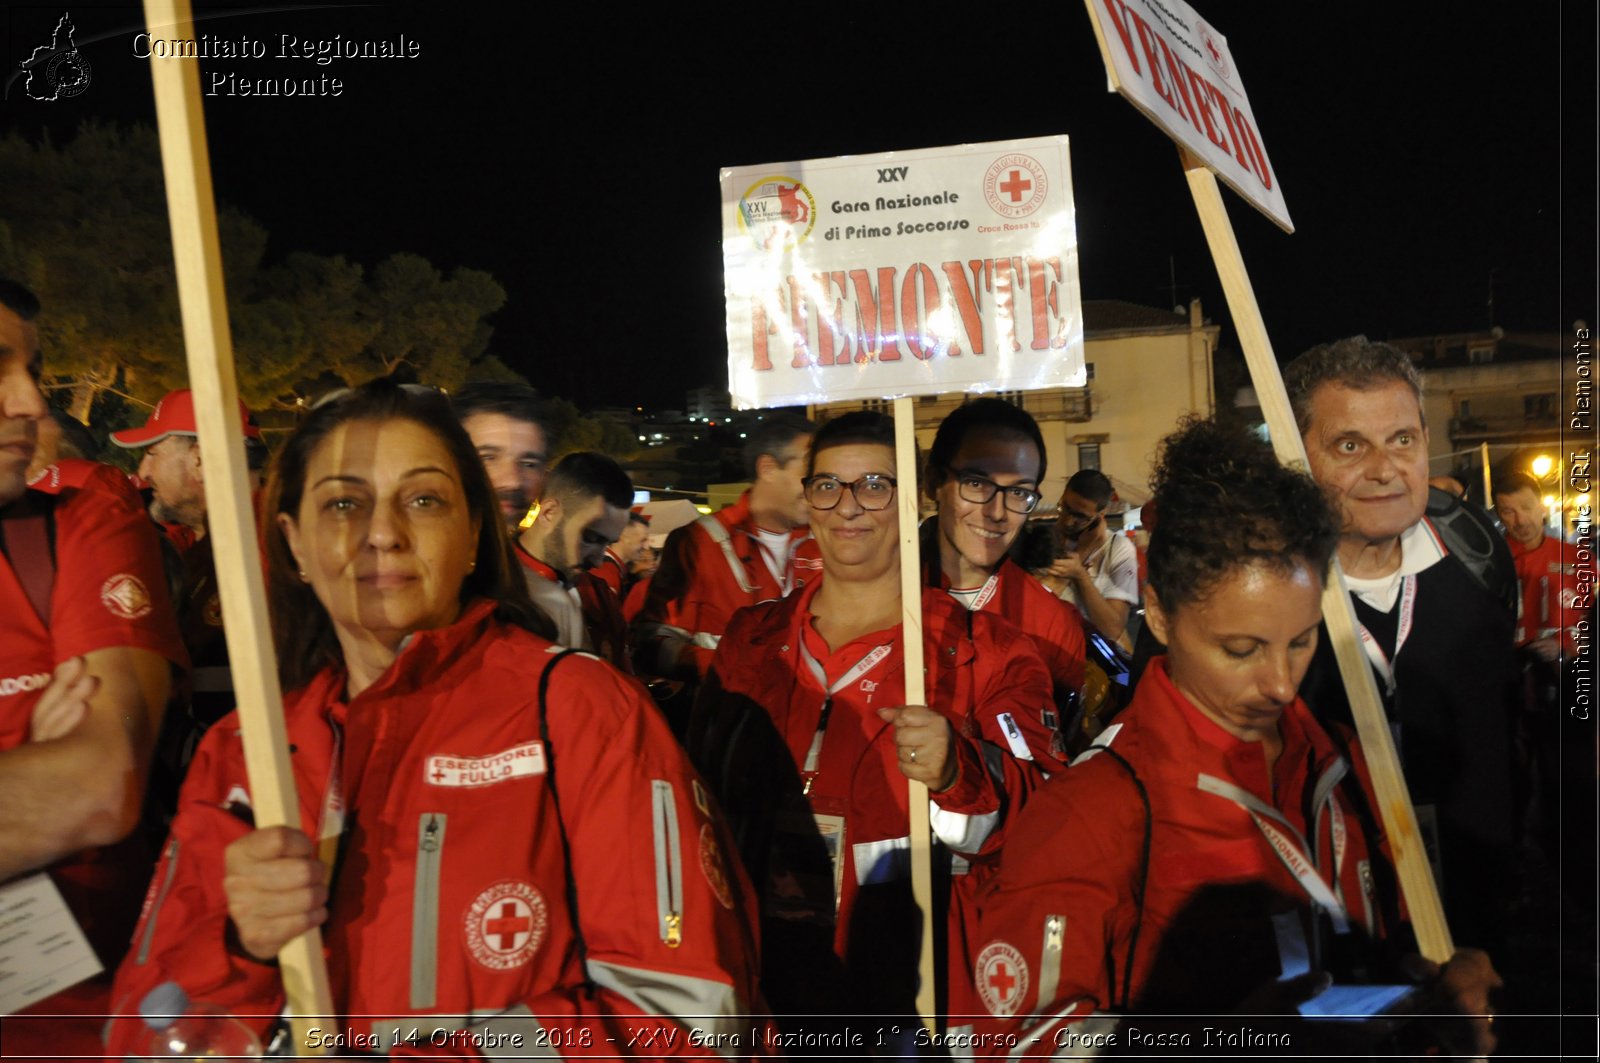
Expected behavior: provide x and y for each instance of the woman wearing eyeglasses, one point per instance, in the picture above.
(503, 846)
(803, 732)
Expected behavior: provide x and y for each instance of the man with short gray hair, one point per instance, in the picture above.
(1428, 581)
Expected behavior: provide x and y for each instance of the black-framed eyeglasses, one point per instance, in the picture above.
(871, 492)
(980, 489)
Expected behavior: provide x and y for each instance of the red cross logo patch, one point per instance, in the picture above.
(1002, 976)
(1015, 185)
(506, 925)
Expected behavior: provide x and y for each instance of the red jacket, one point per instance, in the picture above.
(1053, 624)
(107, 589)
(1557, 585)
(559, 875)
(701, 583)
(1062, 916)
(981, 673)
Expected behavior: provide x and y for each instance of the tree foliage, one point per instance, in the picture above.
(85, 225)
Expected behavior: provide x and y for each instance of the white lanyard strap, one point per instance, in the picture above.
(860, 668)
(331, 825)
(1375, 654)
(1290, 846)
(784, 573)
(990, 585)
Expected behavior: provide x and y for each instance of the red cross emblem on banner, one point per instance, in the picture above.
(1015, 185)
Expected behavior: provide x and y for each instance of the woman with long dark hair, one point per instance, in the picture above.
(499, 841)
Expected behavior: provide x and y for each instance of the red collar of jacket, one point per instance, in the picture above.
(425, 657)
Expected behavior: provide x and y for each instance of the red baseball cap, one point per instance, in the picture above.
(174, 416)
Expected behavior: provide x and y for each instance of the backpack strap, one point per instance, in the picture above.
(719, 535)
(555, 798)
(1467, 533)
(28, 540)
(1139, 886)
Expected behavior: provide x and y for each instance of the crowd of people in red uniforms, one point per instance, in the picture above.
(714, 822)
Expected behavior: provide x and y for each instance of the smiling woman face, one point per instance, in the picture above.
(857, 544)
(383, 533)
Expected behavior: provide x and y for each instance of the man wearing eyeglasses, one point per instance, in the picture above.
(1099, 572)
(984, 471)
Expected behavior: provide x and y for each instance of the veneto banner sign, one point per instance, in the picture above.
(1171, 64)
(904, 273)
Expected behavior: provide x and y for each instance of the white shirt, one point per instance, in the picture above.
(1419, 549)
(1114, 567)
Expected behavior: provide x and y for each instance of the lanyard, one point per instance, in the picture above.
(1288, 843)
(990, 585)
(1375, 654)
(330, 828)
(859, 669)
(784, 574)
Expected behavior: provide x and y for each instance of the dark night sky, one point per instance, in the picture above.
(1421, 151)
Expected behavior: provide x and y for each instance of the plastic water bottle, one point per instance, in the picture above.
(184, 1029)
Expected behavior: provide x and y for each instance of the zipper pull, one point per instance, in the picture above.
(1053, 927)
(674, 930)
(430, 836)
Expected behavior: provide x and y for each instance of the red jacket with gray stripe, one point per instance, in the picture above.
(701, 583)
(755, 722)
(565, 879)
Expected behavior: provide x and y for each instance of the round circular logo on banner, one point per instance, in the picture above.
(1015, 185)
(506, 925)
(777, 212)
(125, 596)
(1002, 976)
(1211, 47)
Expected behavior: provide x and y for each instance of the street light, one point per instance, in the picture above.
(1542, 465)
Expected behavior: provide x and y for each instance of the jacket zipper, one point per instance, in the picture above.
(669, 869)
(425, 910)
(1050, 960)
(170, 858)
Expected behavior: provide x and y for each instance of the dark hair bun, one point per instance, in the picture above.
(1224, 503)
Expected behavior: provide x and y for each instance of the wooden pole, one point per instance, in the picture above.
(197, 255)
(905, 472)
(1388, 783)
(1488, 483)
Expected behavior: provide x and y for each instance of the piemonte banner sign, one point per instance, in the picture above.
(902, 273)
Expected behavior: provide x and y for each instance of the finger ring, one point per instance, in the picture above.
(913, 756)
